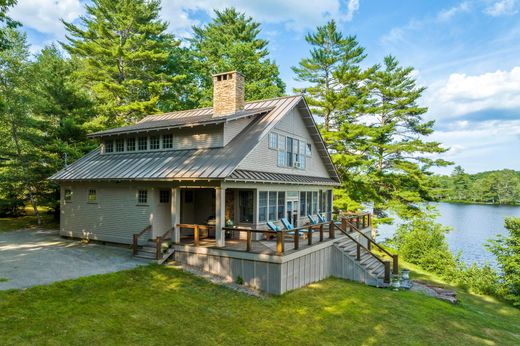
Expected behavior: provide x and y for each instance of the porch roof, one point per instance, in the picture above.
(268, 177)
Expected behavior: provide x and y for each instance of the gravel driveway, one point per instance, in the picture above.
(38, 257)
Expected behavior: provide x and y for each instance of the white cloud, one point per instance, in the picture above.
(447, 14)
(295, 14)
(502, 8)
(462, 94)
(44, 15)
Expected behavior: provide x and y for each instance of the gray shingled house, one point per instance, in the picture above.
(204, 182)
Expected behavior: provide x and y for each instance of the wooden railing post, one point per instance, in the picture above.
(395, 264)
(134, 245)
(296, 239)
(369, 245)
(369, 219)
(309, 236)
(358, 252)
(158, 248)
(344, 223)
(321, 232)
(196, 235)
(331, 230)
(387, 272)
(279, 243)
(248, 247)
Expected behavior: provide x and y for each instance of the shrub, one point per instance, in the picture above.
(422, 241)
(507, 251)
(481, 280)
(11, 207)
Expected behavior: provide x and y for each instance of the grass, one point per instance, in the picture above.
(28, 221)
(157, 305)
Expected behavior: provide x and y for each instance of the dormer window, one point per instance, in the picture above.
(130, 144)
(120, 145)
(143, 143)
(109, 146)
(155, 143)
(167, 142)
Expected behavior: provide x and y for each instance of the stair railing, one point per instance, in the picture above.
(360, 247)
(395, 258)
(159, 241)
(136, 238)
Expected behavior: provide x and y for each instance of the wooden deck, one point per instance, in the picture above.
(266, 247)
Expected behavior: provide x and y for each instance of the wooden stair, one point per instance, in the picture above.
(148, 250)
(368, 262)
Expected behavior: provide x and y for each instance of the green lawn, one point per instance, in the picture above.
(28, 221)
(163, 306)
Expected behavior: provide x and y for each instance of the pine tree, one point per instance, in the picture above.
(398, 157)
(7, 21)
(332, 70)
(125, 49)
(461, 183)
(230, 42)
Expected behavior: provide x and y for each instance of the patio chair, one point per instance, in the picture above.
(312, 220)
(289, 226)
(275, 228)
(322, 218)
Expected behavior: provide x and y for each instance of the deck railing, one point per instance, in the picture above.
(196, 230)
(294, 234)
(347, 223)
(360, 247)
(159, 242)
(136, 238)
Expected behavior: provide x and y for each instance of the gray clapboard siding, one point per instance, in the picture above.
(233, 128)
(264, 159)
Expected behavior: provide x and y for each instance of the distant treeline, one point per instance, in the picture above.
(493, 187)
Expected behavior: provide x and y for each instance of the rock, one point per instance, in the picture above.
(434, 291)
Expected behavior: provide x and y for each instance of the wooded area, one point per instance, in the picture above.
(494, 187)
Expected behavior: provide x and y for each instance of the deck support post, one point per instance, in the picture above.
(176, 213)
(220, 200)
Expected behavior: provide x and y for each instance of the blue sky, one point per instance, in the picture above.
(467, 53)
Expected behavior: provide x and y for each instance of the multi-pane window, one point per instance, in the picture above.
(329, 204)
(308, 150)
(262, 206)
(302, 203)
(273, 140)
(91, 196)
(245, 206)
(155, 143)
(143, 143)
(109, 146)
(321, 206)
(67, 195)
(289, 153)
(142, 196)
(309, 202)
(272, 205)
(281, 204)
(167, 141)
(301, 155)
(130, 144)
(120, 145)
(315, 202)
(164, 196)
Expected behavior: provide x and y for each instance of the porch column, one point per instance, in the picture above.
(220, 216)
(176, 214)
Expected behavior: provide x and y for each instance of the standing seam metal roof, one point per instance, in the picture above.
(207, 163)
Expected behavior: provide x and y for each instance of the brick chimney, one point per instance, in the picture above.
(228, 93)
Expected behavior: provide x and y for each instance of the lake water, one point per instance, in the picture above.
(472, 226)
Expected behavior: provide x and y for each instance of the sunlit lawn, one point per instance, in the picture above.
(28, 221)
(164, 306)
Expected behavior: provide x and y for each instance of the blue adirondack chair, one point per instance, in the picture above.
(289, 226)
(321, 218)
(312, 220)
